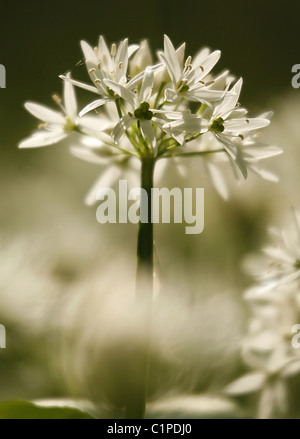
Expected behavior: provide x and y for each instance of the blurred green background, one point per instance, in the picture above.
(54, 254)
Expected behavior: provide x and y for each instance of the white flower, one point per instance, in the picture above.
(56, 125)
(228, 122)
(269, 380)
(139, 103)
(280, 264)
(101, 64)
(188, 80)
(159, 109)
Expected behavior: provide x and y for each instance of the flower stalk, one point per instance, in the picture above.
(136, 405)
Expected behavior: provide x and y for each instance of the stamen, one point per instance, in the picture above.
(120, 65)
(247, 120)
(188, 61)
(201, 82)
(97, 81)
(93, 70)
(56, 99)
(96, 50)
(99, 65)
(43, 125)
(113, 50)
(202, 68)
(241, 136)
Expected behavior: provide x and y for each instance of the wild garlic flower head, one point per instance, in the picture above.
(267, 348)
(172, 108)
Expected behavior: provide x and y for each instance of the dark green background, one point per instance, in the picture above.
(39, 40)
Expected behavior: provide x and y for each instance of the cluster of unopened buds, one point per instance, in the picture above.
(174, 108)
(268, 348)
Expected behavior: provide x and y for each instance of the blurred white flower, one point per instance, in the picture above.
(275, 309)
(280, 264)
(269, 380)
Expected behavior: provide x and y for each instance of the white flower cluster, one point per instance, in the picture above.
(275, 306)
(174, 107)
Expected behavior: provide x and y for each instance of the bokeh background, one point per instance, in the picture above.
(64, 279)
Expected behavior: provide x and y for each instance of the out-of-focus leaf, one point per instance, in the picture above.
(30, 410)
(194, 407)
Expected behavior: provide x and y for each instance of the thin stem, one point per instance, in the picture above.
(191, 154)
(136, 405)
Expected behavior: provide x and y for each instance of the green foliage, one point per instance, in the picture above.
(28, 410)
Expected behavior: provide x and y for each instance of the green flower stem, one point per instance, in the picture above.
(136, 405)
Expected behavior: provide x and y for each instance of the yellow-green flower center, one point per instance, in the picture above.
(69, 125)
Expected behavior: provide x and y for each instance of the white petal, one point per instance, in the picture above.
(121, 59)
(44, 113)
(125, 94)
(266, 404)
(202, 93)
(261, 151)
(227, 105)
(88, 52)
(171, 59)
(121, 127)
(148, 132)
(70, 100)
(132, 49)
(180, 54)
(43, 138)
(244, 125)
(87, 155)
(266, 175)
(191, 125)
(141, 59)
(291, 369)
(104, 55)
(234, 153)
(80, 84)
(137, 79)
(208, 64)
(249, 383)
(280, 393)
(92, 106)
(106, 180)
(147, 85)
(279, 254)
(217, 179)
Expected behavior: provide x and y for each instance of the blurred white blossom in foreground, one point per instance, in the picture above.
(275, 304)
